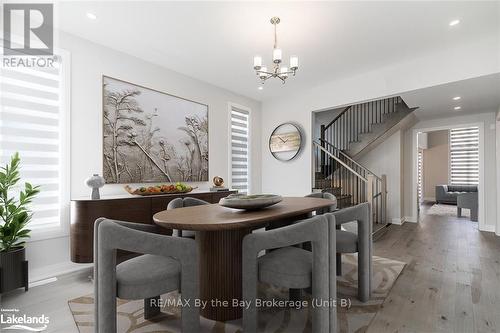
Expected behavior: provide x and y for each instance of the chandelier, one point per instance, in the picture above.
(278, 71)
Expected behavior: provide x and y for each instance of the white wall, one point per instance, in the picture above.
(436, 162)
(489, 162)
(89, 62)
(447, 65)
(385, 159)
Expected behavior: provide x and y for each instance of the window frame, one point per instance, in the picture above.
(232, 105)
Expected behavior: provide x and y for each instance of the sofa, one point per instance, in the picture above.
(447, 194)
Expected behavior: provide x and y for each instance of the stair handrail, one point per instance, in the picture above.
(340, 161)
(337, 117)
(351, 160)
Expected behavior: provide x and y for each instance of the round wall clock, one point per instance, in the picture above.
(285, 142)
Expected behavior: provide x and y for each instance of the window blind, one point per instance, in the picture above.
(420, 175)
(240, 149)
(30, 123)
(464, 156)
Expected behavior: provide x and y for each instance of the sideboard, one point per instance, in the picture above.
(139, 209)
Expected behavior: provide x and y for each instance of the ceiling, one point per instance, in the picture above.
(481, 94)
(216, 41)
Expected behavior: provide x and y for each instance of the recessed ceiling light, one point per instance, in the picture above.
(260, 88)
(91, 16)
(454, 22)
(456, 98)
(457, 107)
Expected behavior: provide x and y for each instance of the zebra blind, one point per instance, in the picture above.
(464, 156)
(31, 115)
(240, 149)
(420, 184)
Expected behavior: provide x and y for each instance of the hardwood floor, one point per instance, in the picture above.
(451, 282)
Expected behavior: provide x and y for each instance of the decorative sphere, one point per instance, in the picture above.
(218, 181)
(95, 181)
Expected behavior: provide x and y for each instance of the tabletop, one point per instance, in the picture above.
(215, 217)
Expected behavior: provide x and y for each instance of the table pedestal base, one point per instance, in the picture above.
(220, 272)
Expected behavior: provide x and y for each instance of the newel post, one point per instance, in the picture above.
(383, 202)
(369, 191)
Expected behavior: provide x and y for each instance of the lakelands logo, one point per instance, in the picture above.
(28, 35)
(10, 319)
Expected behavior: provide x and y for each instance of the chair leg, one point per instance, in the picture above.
(294, 294)
(339, 264)
(459, 212)
(152, 307)
(473, 214)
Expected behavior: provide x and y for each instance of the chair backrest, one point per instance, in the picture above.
(362, 214)
(324, 195)
(110, 235)
(314, 230)
(185, 202)
(332, 267)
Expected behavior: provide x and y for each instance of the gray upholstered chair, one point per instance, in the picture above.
(289, 267)
(348, 242)
(168, 263)
(324, 195)
(468, 201)
(185, 202)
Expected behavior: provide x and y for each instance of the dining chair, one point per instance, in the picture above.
(324, 195)
(289, 266)
(348, 242)
(167, 263)
(185, 202)
(296, 294)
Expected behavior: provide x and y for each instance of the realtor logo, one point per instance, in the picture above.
(33, 24)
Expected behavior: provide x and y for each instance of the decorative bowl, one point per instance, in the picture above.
(159, 189)
(250, 202)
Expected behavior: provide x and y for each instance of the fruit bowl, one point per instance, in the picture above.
(160, 189)
(250, 202)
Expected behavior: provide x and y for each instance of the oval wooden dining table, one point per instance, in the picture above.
(219, 233)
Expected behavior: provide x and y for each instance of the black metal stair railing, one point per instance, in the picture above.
(336, 172)
(349, 181)
(358, 119)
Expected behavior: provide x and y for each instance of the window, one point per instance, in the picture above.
(464, 156)
(240, 148)
(420, 184)
(34, 122)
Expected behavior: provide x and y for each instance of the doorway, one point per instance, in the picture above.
(448, 173)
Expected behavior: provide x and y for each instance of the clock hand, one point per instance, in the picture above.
(281, 139)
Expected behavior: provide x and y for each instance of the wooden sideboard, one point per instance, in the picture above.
(139, 209)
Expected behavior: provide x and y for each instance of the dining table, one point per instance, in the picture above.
(219, 232)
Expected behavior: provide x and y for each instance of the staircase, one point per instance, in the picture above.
(356, 130)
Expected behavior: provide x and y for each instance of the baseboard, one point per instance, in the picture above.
(398, 220)
(411, 219)
(488, 228)
(430, 199)
(48, 272)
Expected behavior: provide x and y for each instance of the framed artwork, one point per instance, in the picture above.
(152, 136)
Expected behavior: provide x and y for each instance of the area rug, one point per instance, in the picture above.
(447, 210)
(353, 316)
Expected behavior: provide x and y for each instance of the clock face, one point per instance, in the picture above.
(285, 142)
